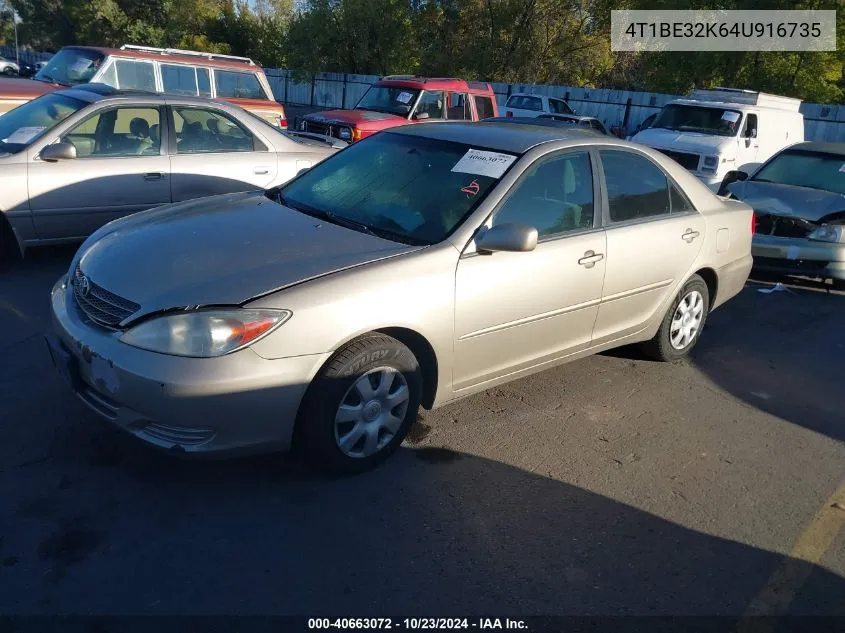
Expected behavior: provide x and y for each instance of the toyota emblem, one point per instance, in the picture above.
(84, 285)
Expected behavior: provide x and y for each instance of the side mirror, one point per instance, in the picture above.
(421, 116)
(58, 151)
(730, 178)
(514, 238)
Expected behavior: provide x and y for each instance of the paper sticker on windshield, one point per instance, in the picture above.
(404, 97)
(733, 117)
(842, 169)
(24, 134)
(481, 163)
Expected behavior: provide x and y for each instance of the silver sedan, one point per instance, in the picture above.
(73, 160)
(416, 267)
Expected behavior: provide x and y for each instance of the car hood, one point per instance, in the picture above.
(222, 250)
(768, 197)
(682, 141)
(15, 88)
(356, 118)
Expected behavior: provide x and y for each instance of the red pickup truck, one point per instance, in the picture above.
(402, 99)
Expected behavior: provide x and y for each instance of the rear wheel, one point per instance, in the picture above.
(8, 71)
(683, 323)
(360, 406)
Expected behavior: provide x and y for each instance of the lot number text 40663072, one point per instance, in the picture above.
(432, 624)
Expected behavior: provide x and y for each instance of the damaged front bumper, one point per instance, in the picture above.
(237, 403)
(799, 256)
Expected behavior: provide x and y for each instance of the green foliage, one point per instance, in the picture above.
(519, 41)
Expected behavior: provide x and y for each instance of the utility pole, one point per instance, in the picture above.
(15, 22)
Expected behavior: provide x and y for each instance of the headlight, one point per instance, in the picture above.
(711, 163)
(204, 333)
(344, 134)
(829, 233)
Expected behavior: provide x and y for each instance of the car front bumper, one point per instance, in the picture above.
(799, 256)
(232, 404)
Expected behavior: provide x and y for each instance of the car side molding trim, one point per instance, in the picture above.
(531, 319)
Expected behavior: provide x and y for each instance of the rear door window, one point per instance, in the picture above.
(203, 82)
(636, 187)
(237, 85)
(201, 131)
(459, 106)
(559, 107)
(178, 79)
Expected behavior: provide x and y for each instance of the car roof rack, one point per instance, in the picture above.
(179, 51)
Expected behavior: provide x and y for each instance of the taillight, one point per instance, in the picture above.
(283, 123)
(753, 223)
(509, 114)
(356, 134)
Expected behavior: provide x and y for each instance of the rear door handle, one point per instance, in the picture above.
(260, 171)
(690, 235)
(155, 175)
(590, 258)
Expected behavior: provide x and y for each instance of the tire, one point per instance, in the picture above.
(341, 421)
(9, 71)
(694, 297)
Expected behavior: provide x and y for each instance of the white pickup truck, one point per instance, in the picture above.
(523, 104)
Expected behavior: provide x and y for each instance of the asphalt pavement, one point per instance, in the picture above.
(609, 486)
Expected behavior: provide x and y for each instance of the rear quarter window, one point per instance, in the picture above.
(484, 107)
(238, 85)
(520, 102)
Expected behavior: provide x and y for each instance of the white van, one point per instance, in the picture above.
(716, 131)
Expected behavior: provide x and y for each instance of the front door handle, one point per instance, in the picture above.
(590, 258)
(154, 175)
(690, 235)
(261, 171)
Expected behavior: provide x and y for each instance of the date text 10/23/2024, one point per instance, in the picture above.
(433, 624)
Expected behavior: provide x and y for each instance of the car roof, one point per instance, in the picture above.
(543, 120)
(532, 94)
(837, 149)
(175, 57)
(435, 83)
(94, 93)
(496, 135)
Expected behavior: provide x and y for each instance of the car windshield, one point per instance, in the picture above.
(802, 168)
(409, 189)
(71, 66)
(389, 99)
(23, 125)
(701, 119)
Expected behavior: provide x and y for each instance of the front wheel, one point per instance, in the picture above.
(360, 406)
(682, 324)
(8, 71)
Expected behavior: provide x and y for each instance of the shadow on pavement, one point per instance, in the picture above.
(782, 352)
(109, 526)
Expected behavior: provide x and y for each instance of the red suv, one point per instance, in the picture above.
(401, 99)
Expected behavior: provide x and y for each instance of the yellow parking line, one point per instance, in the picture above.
(776, 596)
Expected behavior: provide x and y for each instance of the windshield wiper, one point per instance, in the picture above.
(349, 223)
